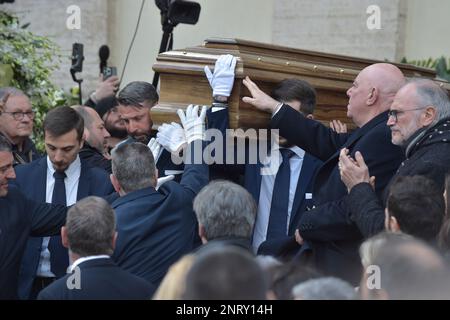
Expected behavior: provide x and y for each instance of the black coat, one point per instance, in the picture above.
(327, 229)
(100, 279)
(427, 154)
(21, 218)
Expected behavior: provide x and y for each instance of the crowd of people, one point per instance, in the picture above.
(114, 210)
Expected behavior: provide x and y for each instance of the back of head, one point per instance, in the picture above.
(225, 273)
(430, 94)
(417, 204)
(225, 209)
(83, 112)
(90, 227)
(410, 269)
(133, 166)
(137, 93)
(289, 275)
(298, 90)
(329, 288)
(62, 120)
(106, 104)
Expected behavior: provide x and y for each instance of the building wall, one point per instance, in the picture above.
(428, 28)
(48, 18)
(249, 19)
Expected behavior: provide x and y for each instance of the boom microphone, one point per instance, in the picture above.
(103, 54)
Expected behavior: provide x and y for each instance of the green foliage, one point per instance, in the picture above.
(439, 64)
(32, 59)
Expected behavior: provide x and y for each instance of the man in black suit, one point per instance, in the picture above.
(156, 227)
(327, 229)
(19, 219)
(59, 178)
(90, 236)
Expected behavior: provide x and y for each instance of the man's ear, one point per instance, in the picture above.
(373, 96)
(115, 182)
(64, 238)
(114, 239)
(428, 116)
(393, 224)
(202, 233)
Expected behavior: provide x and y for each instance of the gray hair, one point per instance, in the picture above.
(133, 166)
(431, 94)
(90, 227)
(5, 145)
(225, 209)
(11, 91)
(137, 92)
(328, 288)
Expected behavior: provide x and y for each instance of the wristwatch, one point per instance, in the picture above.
(220, 99)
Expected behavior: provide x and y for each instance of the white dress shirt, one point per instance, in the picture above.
(265, 195)
(71, 184)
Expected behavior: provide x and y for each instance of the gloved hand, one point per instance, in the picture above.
(193, 124)
(154, 148)
(171, 136)
(221, 81)
(163, 180)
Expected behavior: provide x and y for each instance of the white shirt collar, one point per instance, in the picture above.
(72, 170)
(83, 259)
(298, 151)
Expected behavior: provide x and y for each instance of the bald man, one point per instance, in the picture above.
(326, 230)
(94, 149)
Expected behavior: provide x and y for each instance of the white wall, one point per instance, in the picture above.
(427, 29)
(246, 19)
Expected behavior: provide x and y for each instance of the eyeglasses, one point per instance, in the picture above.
(18, 116)
(395, 113)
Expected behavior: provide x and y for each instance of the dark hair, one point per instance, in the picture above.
(4, 144)
(90, 227)
(62, 120)
(418, 205)
(137, 92)
(225, 273)
(296, 89)
(104, 105)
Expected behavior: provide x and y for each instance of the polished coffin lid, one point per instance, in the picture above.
(182, 79)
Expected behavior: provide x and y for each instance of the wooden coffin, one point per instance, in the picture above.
(182, 80)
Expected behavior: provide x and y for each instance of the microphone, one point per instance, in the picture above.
(103, 54)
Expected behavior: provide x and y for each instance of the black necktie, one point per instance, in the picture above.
(280, 198)
(59, 258)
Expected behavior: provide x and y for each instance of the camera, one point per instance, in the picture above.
(108, 72)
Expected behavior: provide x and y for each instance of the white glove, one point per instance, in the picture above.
(171, 136)
(223, 78)
(163, 180)
(193, 124)
(154, 148)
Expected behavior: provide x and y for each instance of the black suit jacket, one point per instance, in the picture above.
(32, 181)
(19, 219)
(333, 237)
(100, 279)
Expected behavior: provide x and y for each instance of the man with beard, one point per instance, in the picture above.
(135, 101)
(107, 110)
(94, 151)
(419, 119)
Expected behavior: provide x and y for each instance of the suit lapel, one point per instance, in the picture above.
(83, 183)
(41, 179)
(306, 174)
